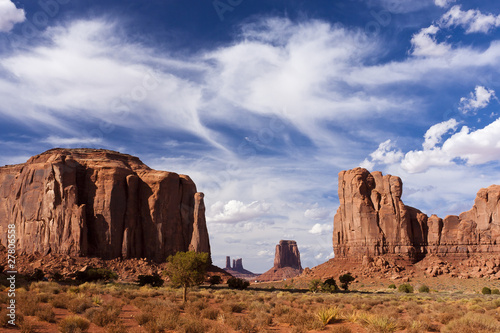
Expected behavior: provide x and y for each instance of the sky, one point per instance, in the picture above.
(263, 102)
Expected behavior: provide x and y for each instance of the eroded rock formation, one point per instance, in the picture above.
(286, 262)
(86, 202)
(372, 220)
(237, 269)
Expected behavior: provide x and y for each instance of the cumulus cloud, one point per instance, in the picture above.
(386, 153)
(236, 211)
(443, 3)
(435, 133)
(424, 43)
(479, 99)
(471, 20)
(10, 15)
(473, 147)
(321, 229)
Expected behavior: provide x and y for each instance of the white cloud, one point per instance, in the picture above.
(9, 15)
(385, 154)
(435, 133)
(471, 20)
(321, 229)
(236, 211)
(473, 147)
(317, 212)
(64, 142)
(443, 3)
(424, 43)
(479, 99)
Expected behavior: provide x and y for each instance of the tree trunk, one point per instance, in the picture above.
(184, 295)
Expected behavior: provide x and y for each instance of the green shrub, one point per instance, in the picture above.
(237, 283)
(314, 285)
(423, 289)
(215, 279)
(74, 324)
(405, 288)
(486, 291)
(329, 286)
(345, 280)
(392, 286)
(154, 280)
(495, 291)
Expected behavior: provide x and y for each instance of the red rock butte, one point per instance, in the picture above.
(286, 262)
(372, 220)
(101, 203)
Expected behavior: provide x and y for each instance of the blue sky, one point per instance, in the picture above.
(262, 103)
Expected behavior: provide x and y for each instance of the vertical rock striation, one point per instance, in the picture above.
(372, 220)
(86, 202)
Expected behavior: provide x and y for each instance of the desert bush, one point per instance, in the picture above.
(210, 313)
(416, 326)
(233, 307)
(27, 326)
(74, 324)
(79, 305)
(154, 280)
(237, 283)
(486, 291)
(104, 315)
(392, 286)
(215, 279)
(243, 324)
(329, 286)
(116, 327)
(143, 318)
(345, 280)
(314, 285)
(423, 289)
(46, 287)
(46, 313)
(405, 288)
(26, 304)
(495, 291)
(472, 323)
(328, 315)
(61, 301)
(381, 324)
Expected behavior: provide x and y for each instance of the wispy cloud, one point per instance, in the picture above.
(477, 100)
(471, 20)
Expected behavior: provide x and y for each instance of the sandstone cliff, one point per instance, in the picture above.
(372, 220)
(286, 262)
(86, 202)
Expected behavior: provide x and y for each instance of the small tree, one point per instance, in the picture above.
(187, 269)
(345, 280)
(486, 291)
(214, 279)
(314, 285)
(329, 286)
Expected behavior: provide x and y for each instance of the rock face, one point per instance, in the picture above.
(237, 269)
(372, 220)
(86, 202)
(287, 255)
(286, 262)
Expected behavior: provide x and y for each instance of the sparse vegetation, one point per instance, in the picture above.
(96, 274)
(153, 280)
(392, 286)
(345, 281)
(237, 283)
(74, 324)
(329, 286)
(405, 288)
(486, 291)
(423, 289)
(187, 269)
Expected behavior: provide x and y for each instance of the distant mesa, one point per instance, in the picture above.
(286, 262)
(237, 269)
(100, 203)
(372, 220)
